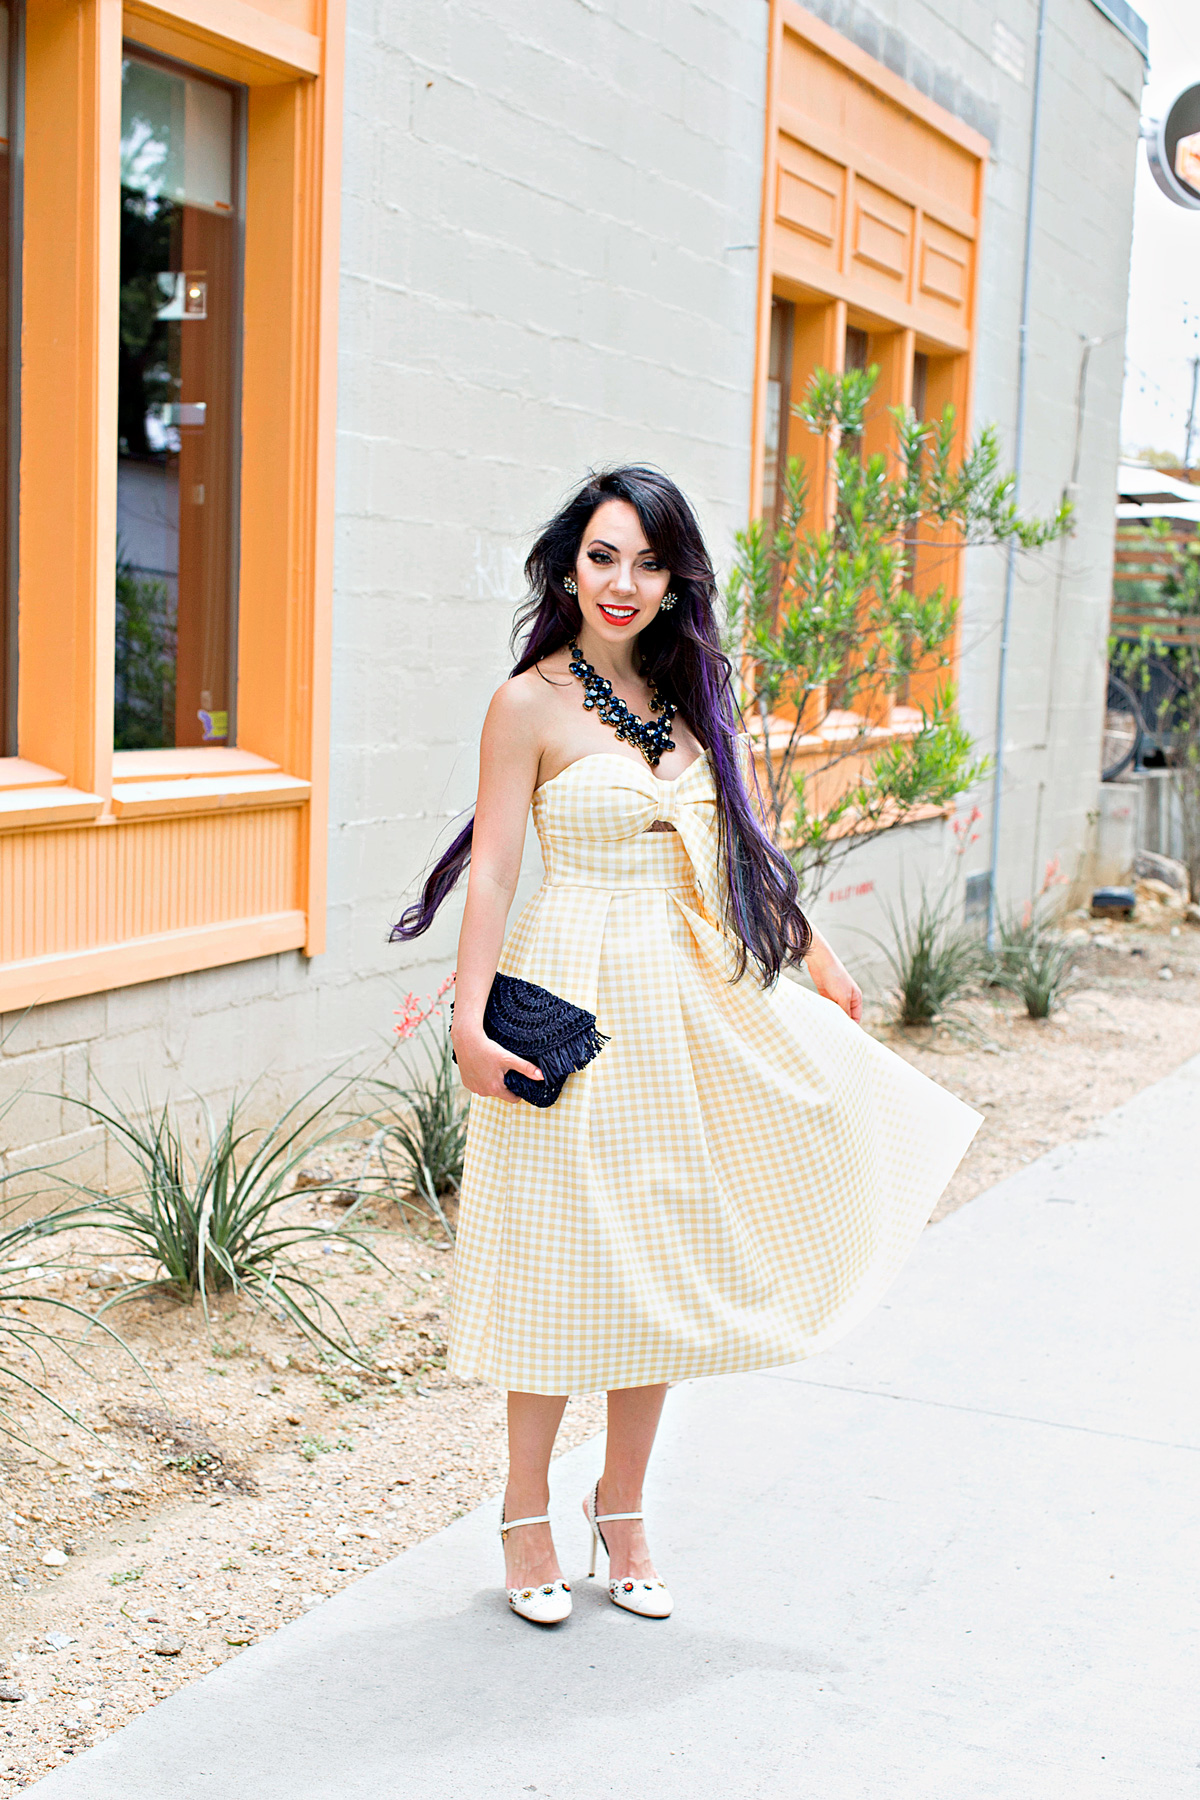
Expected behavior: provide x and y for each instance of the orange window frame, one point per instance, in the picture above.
(117, 867)
(872, 207)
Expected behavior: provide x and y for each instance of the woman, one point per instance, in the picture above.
(738, 1175)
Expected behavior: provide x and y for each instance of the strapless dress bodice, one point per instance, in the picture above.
(596, 824)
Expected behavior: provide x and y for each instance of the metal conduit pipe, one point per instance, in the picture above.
(1035, 140)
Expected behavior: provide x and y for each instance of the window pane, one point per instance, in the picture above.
(779, 399)
(10, 113)
(920, 384)
(856, 347)
(177, 409)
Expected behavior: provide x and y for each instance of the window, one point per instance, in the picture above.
(779, 402)
(920, 384)
(145, 831)
(10, 336)
(857, 348)
(178, 405)
(857, 355)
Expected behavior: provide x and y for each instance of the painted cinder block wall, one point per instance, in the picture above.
(548, 260)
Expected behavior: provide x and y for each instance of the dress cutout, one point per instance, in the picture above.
(737, 1177)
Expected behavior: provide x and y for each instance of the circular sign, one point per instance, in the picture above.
(1173, 149)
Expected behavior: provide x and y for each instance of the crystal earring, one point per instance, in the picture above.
(569, 585)
(667, 603)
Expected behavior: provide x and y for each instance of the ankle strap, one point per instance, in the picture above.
(603, 1518)
(507, 1525)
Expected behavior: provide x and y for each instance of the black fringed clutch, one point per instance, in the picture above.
(537, 1026)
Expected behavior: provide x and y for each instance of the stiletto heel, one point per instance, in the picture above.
(649, 1599)
(548, 1604)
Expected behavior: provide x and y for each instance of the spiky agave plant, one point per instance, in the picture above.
(424, 1117)
(33, 1322)
(935, 960)
(215, 1221)
(1035, 963)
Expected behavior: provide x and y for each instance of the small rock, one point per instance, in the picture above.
(294, 1418)
(106, 1276)
(1164, 871)
(278, 1360)
(125, 1487)
(58, 1640)
(168, 1645)
(1163, 975)
(239, 1637)
(314, 1175)
(424, 1275)
(53, 1559)
(10, 1691)
(1156, 900)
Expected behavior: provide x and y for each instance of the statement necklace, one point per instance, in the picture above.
(652, 737)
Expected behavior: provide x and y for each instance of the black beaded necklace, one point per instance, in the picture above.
(652, 737)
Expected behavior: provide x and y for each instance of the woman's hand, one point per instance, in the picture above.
(832, 979)
(483, 1064)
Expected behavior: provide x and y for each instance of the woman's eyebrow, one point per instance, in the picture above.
(603, 544)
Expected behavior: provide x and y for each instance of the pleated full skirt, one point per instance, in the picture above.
(732, 1183)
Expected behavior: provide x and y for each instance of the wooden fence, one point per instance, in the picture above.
(1143, 561)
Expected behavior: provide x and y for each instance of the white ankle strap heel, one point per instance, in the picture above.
(649, 1599)
(546, 1605)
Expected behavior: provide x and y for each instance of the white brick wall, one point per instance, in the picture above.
(544, 203)
(547, 262)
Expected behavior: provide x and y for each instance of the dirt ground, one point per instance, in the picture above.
(1043, 1082)
(240, 1478)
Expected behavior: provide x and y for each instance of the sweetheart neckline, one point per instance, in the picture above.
(615, 756)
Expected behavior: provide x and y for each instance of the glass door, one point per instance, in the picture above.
(178, 406)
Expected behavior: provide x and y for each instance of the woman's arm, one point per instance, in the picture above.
(832, 978)
(509, 753)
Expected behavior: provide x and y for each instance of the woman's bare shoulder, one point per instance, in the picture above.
(523, 706)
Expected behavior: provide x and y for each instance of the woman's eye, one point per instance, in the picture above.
(599, 556)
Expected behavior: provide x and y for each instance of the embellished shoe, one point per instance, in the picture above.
(648, 1598)
(548, 1604)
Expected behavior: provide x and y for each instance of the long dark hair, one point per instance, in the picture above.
(680, 653)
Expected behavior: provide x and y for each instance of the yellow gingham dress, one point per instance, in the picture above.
(736, 1178)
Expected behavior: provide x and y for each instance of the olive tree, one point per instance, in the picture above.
(829, 623)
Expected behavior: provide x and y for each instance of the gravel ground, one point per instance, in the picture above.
(1043, 1082)
(239, 1478)
(233, 1486)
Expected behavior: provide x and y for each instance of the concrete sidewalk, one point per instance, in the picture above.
(951, 1561)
